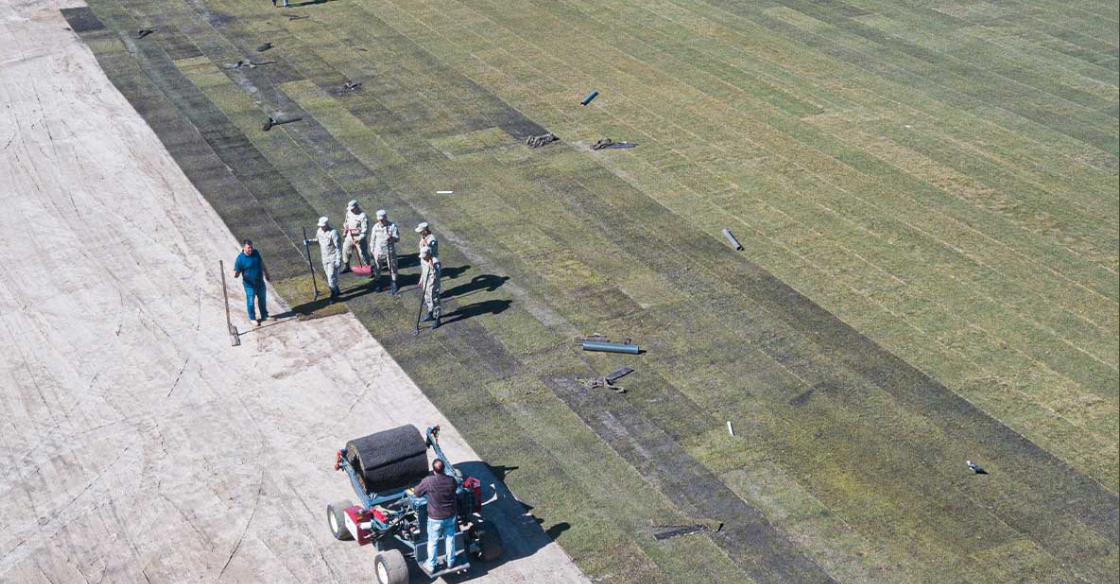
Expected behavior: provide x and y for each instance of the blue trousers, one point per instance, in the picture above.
(440, 529)
(257, 291)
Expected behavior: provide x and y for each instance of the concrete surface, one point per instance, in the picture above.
(135, 444)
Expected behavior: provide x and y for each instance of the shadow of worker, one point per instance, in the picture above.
(476, 309)
(309, 308)
(479, 283)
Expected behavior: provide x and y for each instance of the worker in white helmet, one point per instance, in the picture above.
(357, 230)
(330, 246)
(429, 281)
(383, 248)
(428, 239)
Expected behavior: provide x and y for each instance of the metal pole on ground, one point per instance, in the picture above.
(310, 266)
(234, 338)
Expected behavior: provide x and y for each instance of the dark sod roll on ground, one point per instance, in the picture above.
(390, 459)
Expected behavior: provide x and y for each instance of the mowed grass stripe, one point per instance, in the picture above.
(1089, 25)
(751, 43)
(1037, 45)
(821, 39)
(939, 32)
(1076, 122)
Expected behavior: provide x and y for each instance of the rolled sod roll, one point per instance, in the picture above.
(390, 459)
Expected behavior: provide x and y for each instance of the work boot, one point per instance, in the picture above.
(393, 288)
(426, 317)
(435, 324)
(334, 296)
(377, 288)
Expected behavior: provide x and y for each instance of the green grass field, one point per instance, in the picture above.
(926, 192)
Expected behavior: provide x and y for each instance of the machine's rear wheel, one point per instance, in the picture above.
(390, 568)
(490, 545)
(337, 520)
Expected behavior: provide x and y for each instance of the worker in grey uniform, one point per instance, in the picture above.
(357, 232)
(429, 282)
(428, 239)
(330, 246)
(383, 248)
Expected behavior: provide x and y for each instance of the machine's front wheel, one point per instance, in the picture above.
(337, 520)
(391, 568)
(490, 545)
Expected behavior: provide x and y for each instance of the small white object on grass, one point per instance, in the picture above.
(445, 192)
(975, 467)
(730, 430)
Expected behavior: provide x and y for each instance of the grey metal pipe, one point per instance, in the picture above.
(731, 238)
(611, 347)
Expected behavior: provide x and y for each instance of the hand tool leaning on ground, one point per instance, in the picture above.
(234, 338)
(310, 266)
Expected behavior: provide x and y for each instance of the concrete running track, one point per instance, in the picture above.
(135, 444)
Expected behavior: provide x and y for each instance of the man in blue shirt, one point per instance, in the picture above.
(250, 265)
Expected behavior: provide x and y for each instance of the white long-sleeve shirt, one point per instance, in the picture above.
(330, 246)
(384, 236)
(357, 224)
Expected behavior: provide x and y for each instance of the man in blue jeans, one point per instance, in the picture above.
(250, 266)
(440, 489)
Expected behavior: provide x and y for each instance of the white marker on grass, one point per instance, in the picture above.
(730, 430)
(445, 192)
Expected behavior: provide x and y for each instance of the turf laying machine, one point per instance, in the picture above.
(383, 467)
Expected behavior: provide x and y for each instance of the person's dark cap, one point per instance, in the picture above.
(247, 242)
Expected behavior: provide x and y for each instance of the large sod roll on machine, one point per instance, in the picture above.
(389, 460)
(382, 468)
